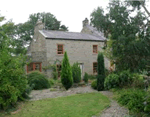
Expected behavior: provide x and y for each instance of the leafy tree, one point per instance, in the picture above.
(66, 73)
(12, 77)
(76, 73)
(24, 31)
(101, 72)
(129, 35)
(137, 4)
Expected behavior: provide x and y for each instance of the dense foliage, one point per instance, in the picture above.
(66, 73)
(13, 81)
(101, 72)
(137, 81)
(94, 84)
(76, 73)
(135, 100)
(128, 34)
(37, 80)
(111, 81)
(86, 77)
(125, 78)
(91, 77)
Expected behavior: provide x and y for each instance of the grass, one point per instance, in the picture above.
(79, 105)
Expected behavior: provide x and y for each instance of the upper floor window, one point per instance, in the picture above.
(95, 49)
(95, 68)
(60, 49)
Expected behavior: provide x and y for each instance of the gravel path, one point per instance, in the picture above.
(113, 111)
(42, 94)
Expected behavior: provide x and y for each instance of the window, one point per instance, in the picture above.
(34, 66)
(59, 70)
(95, 49)
(95, 68)
(60, 49)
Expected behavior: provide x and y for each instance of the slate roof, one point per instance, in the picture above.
(51, 34)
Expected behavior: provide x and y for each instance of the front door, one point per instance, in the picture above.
(81, 67)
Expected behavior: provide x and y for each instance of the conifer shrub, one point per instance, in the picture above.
(76, 73)
(66, 73)
(100, 82)
(86, 76)
(37, 80)
(101, 72)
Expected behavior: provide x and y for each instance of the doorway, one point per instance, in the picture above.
(81, 67)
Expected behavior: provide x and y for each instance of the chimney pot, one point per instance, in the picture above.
(85, 22)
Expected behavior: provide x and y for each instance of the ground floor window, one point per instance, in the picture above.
(59, 69)
(34, 66)
(95, 68)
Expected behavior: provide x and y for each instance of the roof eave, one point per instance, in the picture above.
(75, 39)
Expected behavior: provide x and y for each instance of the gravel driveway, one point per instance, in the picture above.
(114, 110)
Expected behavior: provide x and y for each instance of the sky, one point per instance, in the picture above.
(71, 13)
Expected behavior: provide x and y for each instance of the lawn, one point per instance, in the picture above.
(79, 105)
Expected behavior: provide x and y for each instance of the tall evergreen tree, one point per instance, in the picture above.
(66, 73)
(101, 72)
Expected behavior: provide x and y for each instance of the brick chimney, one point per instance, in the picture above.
(85, 22)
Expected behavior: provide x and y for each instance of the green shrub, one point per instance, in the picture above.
(111, 81)
(27, 92)
(147, 105)
(66, 73)
(138, 81)
(94, 84)
(133, 99)
(101, 72)
(107, 72)
(52, 82)
(91, 77)
(85, 79)
(55, 75)
(38, 79)
(76, 73)
(125, 78)
(8, 96)
(13, 81)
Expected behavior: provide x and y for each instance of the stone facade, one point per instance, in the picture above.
(78, 51)
(44, 50)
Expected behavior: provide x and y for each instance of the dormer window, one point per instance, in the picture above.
(60, 49)
(95, 49)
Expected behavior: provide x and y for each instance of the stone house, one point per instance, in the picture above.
(48, 46)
